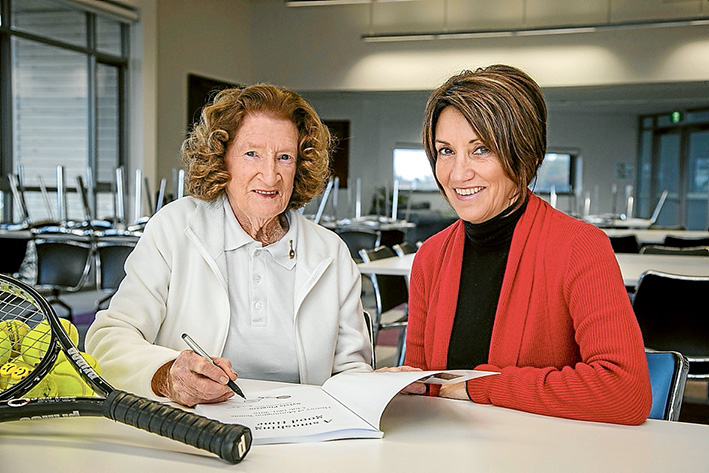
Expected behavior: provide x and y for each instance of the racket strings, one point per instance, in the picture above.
(15, 307)
(19, 315)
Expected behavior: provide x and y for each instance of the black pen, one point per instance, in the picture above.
(197, 349)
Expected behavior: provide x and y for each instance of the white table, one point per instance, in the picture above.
(420, 435)
(655, 236)
(631, 265)
(393, 266)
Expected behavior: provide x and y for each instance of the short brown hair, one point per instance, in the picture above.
(204, 150)
(506, 109)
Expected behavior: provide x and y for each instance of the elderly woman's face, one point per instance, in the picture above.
(471, 175)
(262, 161)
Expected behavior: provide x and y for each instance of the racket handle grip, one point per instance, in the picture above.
(230, 442)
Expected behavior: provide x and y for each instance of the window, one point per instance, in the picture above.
(64, 94)
(674, 157)
(557, 171)
(412, 169)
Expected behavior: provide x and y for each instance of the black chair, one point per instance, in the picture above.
(110, 271)
(391, 237)
(358, 239)
(672, 314)
(62, 266)
(391, 295)
(404, 248)
(625, 244)
(681, 242)
(668, 377)
(675, 250)
(13, 254)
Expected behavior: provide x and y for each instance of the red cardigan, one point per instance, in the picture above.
(565, 337)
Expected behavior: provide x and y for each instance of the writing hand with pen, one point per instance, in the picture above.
(193, 378)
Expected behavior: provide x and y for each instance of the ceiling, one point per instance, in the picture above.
(635, 99)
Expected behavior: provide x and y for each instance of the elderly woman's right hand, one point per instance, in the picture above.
(190, 379)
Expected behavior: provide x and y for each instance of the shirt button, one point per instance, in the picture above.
(257, 252)
(257, 278)
(258, 306)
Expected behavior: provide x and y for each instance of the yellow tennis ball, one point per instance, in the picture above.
(36, 343)
(68, 380)
(71, 330)
(47, 387)
(5, 348)
(16, 331)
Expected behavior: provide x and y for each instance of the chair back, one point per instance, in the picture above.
(110, 261)
(390, 291)
(624, 243)
(13, 254)
(62, 265)
(678, 241)
(370, 332)
(391, 237)
(668, 377)
(404, 248)
(359, 239)
(675, 250)
(672, 313)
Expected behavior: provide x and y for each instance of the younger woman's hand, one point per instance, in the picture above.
(454, 391)
(413, 388)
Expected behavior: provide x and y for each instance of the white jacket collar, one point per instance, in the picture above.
(206, 230)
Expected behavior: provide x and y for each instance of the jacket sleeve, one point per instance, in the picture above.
(121, 338)
(611, 383)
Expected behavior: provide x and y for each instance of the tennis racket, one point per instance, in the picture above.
(22, 304)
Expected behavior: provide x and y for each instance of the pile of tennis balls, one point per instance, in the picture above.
(22, 348)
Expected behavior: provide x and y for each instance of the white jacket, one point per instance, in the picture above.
(176, 282)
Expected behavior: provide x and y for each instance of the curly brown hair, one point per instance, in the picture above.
(506, 109)
(204, 150)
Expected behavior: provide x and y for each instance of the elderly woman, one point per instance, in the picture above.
(236, 266)
(515, 286)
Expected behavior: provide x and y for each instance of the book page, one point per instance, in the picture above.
(368, 394)
(296, 413)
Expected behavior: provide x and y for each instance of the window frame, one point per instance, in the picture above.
(575, 156)
(95, 58)
(406, 184)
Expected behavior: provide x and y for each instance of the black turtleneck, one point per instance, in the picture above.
(487, 246)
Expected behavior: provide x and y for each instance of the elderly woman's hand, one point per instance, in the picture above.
(190, 379)
(413, 388)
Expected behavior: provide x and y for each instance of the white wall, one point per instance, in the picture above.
(210, 38)
(319, 49)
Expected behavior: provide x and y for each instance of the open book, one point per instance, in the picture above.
(348, 405)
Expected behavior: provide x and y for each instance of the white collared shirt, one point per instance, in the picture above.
(261, 279)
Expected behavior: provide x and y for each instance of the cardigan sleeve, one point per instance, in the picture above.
(415, 326)
(611, 382)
